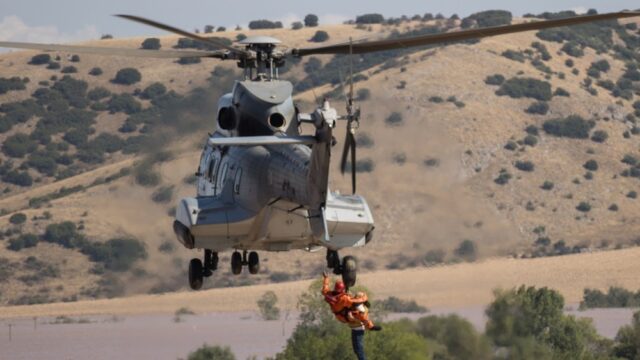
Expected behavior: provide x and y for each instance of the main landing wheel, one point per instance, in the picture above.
(236, 263)
(195, 274)
(349, 268)
(254, 262)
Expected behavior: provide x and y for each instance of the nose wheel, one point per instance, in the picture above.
(347, 267)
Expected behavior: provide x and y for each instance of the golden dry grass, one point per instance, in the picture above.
(446, 286)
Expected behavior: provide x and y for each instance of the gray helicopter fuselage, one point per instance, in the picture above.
(262, 197)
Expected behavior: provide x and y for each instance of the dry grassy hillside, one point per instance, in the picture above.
(429, 178)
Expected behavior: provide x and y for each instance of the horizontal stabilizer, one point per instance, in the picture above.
(261, 140)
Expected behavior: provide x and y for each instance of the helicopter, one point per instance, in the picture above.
(261, 184)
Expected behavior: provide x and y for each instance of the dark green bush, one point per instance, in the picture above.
(127, 76)
(296, 25)
(73, 90)
(96, 71)
(630, 160)
(615, 297)
(75, 58)
(396, 305)
(22, 242)
(54, 65)
(116, 254)
(467, 250)
(599, 136)
(98, 94)
(496, 79)
(11, 84)
(69, 70)
(150, 44)
(572, 49)
(601, 65)
(189, 60)
(526, 87)
(583, 207)
(264, 24)
(394, 119)
(514, 55)
(21, 178)
(18, 145)
(524, 165)
(547, 185)
(511, 146)
(369, 19)
(503, 178)
(561, 92)
(40, 59)
(530, 140)
(320, 36)
(64, 234)
(43, 162)
(632, 194)
(538, 107)
(364, 165)
(591, 165)
(106, 143)
(573, 127)
(163, 194)
(489, 18)
(311, 20)
(208, 352)
(125, 103)
(18, 219)
(153, 91)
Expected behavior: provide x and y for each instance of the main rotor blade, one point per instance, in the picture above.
(389, 44)
(175, 30)
(163, 54)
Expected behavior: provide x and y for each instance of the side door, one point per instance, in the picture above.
(203, 168)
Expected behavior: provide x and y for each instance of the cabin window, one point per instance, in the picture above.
(222, 176)
(211, 171)
(236, 182)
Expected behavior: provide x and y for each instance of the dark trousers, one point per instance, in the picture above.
(357, 340)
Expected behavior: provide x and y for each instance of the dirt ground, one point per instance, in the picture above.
(453, 286)
(161, 337)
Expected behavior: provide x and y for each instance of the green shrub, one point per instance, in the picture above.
(632, 194)
(146, 176)
(628, 339)
(364, 140)
(267, 304)
(599, 136)
(514, 55)
(125, 103)
(572, 49)
(616, 297)
(24, 241)
(320, 36)
(74, 91)
(116, 254)
(524, 166)
(453, 337)
(54, 65)
(153, 91)
(311, 20)
(363, 94)
(467, 250)
(11, 84)
(490, 18)
(98, 94)
(584, 207)
(18, 219)
(526, 87)
(64, 234)
(364, 165)
(207, 352)
(75, 58)
(40, 59)
(561, 92)
(530, 140)
(396, 305)
(511, 146)
(150, 44)
(106, 143)
(163, 194)
(591, 165)
(601, 65)
(277, 277)
(369, 19)
(503, 178)
(264, 24)
(394, 119)
(21, 178)
(18, 145)
(189, 60)
(69, 70)
(630, 160)
(96, 71)
(496, 79)
(127, 76)
(296, 25)
(573, 127)
(538, 107)
(43, 162)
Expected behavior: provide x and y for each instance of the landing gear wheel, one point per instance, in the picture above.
(236, 263)
(254, 262)
(349, 267)
(195, 274)
(333, 261)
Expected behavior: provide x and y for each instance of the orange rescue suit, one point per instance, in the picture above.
(347, 309)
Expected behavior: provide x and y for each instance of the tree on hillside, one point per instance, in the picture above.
(151, 44)
(311, 20)
(127, 76)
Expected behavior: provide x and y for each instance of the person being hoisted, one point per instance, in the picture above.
(351, 310)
